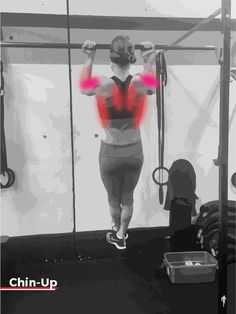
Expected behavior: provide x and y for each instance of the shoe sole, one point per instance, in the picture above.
(117, 246)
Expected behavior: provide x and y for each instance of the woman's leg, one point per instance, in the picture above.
(131, 176)
(109, 170)
(125, 217)
(115, 211)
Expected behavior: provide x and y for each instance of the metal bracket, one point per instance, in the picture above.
(220, 59)
(219, 160)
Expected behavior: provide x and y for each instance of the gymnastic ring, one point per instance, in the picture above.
(11, 178)
(154, 172)
(161, 184)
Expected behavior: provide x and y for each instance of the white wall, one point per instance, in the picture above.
(37, 106)
(180, 8)
(192, 128)
(37, 124)
(37, 131)
(34, 6)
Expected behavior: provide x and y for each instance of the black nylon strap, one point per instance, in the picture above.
(161, 73)
(8, 173)
(3, 141)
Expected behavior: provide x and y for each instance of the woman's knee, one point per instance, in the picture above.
(127, 199)
(114, 202)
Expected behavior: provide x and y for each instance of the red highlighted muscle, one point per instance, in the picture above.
(116, 98)
(140, 110)
(102, 109)
(91, 83)
(131, 103)
(87, 82)
(149, 80)
(130, 97)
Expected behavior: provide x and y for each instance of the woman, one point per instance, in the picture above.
(121, 104)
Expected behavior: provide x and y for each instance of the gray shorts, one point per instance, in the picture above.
(120, 168)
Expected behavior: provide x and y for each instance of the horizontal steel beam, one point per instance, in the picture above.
(108, 22)
(98, 46)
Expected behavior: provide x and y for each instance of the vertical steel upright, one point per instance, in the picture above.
(71, 124)
(223, 157)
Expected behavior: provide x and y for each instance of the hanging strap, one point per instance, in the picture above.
(3, 141)
(161, 73)
(5, 171)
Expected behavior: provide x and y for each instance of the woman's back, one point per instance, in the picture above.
(121, 110)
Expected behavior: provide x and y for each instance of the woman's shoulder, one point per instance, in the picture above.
(96, 85)
(141, 87)
(105, 84)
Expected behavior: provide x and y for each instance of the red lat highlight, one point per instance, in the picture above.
(130, 97)
(116, 98)
(140, 111)
(103, 113)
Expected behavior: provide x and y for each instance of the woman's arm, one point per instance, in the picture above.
(88, 84)
(148, 79)
(148, 55)
(91, 85)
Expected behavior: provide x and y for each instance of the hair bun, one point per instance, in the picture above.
(114, 55)
(122, 50)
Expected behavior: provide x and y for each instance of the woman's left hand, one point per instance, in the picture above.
(148, 52)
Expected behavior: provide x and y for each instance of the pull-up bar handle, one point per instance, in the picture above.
(98, 46)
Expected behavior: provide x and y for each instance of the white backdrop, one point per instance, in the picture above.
(37, 105)
(180, 8)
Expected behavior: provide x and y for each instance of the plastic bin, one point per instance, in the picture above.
(179, 272)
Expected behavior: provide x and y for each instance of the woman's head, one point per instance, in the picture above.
(122, 51)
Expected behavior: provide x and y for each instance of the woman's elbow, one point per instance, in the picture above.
(151, 91)
(87, 92)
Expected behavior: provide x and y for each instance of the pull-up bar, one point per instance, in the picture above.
(172, 46)
(98, 46)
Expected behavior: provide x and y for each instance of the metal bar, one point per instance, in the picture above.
(223, 158)
(197, 27)
(108, 22)
(71, 127)
(98, 46)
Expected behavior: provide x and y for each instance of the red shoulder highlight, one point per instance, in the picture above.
(149, 80)
(140, 110)
(130, 97)
(102, 109)
(91, 83)
(116, 97)
(88, 83)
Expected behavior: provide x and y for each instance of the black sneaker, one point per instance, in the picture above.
(113, 239)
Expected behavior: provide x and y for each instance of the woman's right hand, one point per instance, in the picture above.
(89, 48)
